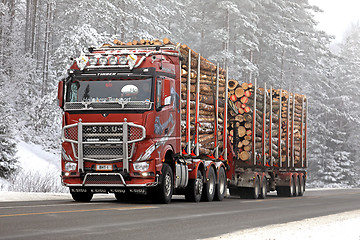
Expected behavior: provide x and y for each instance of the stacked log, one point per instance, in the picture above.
(156, 42)
(255, 136)
(207, 99)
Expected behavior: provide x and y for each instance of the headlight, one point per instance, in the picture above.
(70, 166)
(123, 60)
(113, 60)
(103, 61)
(141, 166)
(93, 61)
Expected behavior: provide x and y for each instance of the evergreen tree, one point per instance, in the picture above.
(8, 160)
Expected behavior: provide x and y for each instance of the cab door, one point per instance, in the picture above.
(167, 119)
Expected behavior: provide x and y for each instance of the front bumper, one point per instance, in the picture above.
(110, 180)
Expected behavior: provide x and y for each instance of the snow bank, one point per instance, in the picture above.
(39, 171)
(337, 226)
(33, 157)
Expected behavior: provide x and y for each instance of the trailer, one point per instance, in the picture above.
(155, 119)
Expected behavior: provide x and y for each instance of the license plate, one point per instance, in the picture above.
(103, 167)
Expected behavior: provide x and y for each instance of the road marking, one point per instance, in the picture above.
(55, 205)
(76, 211)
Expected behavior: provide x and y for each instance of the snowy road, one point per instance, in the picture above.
(104, 218)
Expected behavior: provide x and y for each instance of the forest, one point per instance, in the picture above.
(274, 41)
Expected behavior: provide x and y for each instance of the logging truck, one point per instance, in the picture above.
(156, 119)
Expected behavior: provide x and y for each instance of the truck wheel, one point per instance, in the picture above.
(82, 196)
(164, 191)
(221, 186)
(194, 189)
(263, 192)
(254, 192)
(209, 187)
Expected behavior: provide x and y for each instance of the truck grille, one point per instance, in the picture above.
(104, 152)
(103, 141)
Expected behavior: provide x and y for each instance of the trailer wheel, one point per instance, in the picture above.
(254, 192)
(221, 186)
(293, 187)
(194, 188)
(82, 196)
(302, 186)
(263, 192)
(164, 191)
(209, 187)
(297, 187)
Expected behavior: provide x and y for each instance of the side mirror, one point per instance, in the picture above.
(61, 94)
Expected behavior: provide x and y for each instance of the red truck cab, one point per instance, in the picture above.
(121, 121)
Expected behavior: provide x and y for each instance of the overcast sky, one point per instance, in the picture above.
(337, 15)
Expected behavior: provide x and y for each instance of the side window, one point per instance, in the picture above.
(158, 94)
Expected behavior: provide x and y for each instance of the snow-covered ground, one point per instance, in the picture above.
(337, 226)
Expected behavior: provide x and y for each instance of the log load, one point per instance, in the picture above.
(270, 135)
(263, 146)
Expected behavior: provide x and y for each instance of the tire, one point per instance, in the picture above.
(254, 192)
(302, 187)
(194, 188)
(294, 187)
(82, 196)
(263, 190)
(209, 187)
(164, 191)
(297, 187)
(221, 186)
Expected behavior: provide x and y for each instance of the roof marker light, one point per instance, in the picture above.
(103, 61)
(93, 61)
(113, 60)
(123, 60)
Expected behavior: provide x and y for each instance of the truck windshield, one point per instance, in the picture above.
(95, 94)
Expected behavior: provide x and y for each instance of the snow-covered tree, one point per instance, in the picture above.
(8, 160)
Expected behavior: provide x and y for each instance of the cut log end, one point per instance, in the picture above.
(244, 156)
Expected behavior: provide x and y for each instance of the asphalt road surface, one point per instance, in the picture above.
(105, 218)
